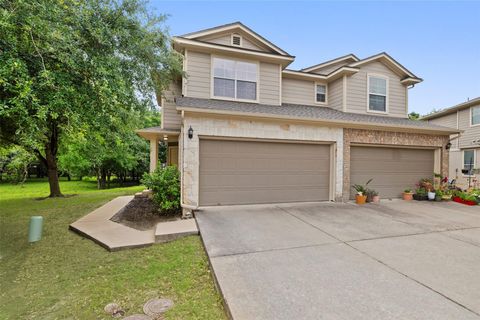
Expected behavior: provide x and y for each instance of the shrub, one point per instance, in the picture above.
(165, 184)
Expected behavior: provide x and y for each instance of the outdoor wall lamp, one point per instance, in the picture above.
(448, 145)
(190, 133)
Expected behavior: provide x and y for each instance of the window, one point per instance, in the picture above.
(320, 93)
(234, 79)
(475, 113)
(468, 160)
(377, 94)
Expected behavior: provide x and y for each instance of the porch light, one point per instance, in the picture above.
(448, 146)
(165, 137)
(190, 133)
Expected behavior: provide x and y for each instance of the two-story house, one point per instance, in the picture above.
(465, 146)
(245, 129)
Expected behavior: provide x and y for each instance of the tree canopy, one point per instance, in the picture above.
(78, 70)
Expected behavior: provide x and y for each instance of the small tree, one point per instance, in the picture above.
(165, 184)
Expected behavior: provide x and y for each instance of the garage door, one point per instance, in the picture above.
(248, 172)
(392, 169)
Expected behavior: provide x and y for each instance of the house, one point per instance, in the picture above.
(465, 147)
(245, 129)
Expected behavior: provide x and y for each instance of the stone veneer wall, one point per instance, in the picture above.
(352, 136)
(244, 128)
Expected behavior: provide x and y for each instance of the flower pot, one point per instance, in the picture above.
(431, 196)
(376, 199)
(447, 197)
(420, 197)
(438, 198)
(407, 196)
(360, 199)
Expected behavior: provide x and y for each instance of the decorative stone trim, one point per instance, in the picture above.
(375, 137)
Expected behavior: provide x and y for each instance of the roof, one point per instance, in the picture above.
(235, 25)
(152, 132)
(350, 56)
(307, 113)
(446, 111)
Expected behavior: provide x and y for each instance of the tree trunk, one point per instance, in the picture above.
(51, 157)
(102, 182)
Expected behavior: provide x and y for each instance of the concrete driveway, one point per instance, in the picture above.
(395, 260)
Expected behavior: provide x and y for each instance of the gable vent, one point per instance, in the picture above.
(236, 40)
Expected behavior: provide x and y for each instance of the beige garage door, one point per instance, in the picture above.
(247, 172)
(392, 169)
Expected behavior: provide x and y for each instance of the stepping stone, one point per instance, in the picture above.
(155, 307)
(137, 317)
(114, 310)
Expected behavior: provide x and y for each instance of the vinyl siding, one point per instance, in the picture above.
(357, 90)
(198, 75)
(269, 83)
(448, 121)
(470, 133)
(332, 67)
(226, 40)
(335, 94)
(171, 119)
(298, 91)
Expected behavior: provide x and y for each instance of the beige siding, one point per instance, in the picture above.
(269, 83)
(470, 133)
(331, 67)
(171, 119)
(448, 121)
(357, 90)
(298, 91)
(226, 40)
(198, 75)
(335, 94)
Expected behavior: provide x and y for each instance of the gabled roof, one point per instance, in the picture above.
(231, 27)
(392, 63)
(446, 111)
(319, 115)
(350, 56)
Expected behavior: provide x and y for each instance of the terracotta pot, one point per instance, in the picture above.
(407, 196)
(360, 199)
(376, 199)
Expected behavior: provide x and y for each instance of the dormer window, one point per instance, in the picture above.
(377, 93)
(236, 80)
(236, 40)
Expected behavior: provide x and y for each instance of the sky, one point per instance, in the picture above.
(437, 41)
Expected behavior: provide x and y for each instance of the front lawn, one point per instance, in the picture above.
(65, 276)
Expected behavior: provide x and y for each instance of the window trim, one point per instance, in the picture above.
(471, 116)
(212, 79)
(474, 161)
(315, 84)
(237, 35)
(381, 76)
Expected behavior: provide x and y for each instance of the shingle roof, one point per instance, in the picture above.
(443, 112)
(304, 112)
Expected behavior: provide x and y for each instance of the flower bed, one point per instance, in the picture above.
(466, 202)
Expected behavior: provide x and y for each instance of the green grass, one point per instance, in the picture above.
(65, 276)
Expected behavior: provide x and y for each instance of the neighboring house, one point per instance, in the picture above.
(244, 129)
(465, 147)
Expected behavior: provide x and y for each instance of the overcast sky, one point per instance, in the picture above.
(437, 41)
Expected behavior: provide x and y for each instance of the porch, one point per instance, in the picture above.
(160, 136)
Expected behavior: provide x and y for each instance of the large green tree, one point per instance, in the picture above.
(68, 65)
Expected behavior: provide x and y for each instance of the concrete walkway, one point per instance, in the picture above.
(115, 236)
(396, 260)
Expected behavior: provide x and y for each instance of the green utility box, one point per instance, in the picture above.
(35, 228)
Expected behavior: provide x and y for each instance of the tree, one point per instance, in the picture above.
(413, 115)
(73, 65)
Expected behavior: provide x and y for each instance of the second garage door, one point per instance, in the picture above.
(392, 169)
(248, 172)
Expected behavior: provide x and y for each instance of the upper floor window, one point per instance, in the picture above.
(475, 114)
(377, 93)
(234, 79)
(469, 160)
(320, 93)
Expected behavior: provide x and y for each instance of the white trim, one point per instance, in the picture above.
(257, 89)
(328, 77)
(376, 75)
(471, 116)
(315, 84)
(463, 161)
(406, 102)
(458, 125)
(234, 26)
(280, 90)
(236, 35)
(324, 64)
(344, 93)
(185, 70)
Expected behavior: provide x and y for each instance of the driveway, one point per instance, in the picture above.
(395, 260)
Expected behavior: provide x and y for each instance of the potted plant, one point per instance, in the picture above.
(361, 196)
(431, 194)
(447, 195)
(407, 194)
(438, 195)
(372, 196)
(420, 194)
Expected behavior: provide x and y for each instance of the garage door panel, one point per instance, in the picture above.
(243, 172)
(392, 169)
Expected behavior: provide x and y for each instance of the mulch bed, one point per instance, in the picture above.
(142, 214)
